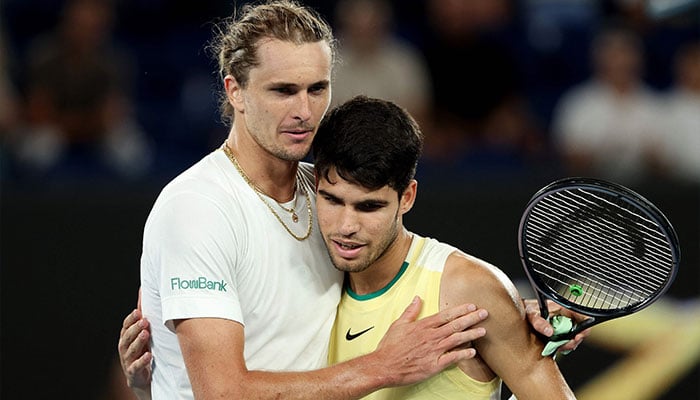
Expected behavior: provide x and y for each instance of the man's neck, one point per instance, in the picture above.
(271, 175)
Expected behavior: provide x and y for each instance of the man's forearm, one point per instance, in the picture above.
(411, 351)
(345, 381)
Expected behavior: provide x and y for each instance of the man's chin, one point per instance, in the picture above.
(345, 266)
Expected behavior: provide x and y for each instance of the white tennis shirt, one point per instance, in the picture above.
(212, 248)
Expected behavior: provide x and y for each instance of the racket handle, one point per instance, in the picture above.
(578, 327)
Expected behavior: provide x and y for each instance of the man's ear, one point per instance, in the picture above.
(234, 93)
(408, 198)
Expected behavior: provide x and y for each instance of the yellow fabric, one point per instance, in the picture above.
(374, 313)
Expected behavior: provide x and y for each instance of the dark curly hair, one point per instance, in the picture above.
(370, 142)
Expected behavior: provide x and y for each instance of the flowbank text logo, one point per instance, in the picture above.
(199, 283)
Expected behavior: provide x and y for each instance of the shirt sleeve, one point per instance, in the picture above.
(192, 247)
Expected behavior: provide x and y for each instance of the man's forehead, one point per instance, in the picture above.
(339, 187)
(291, 62)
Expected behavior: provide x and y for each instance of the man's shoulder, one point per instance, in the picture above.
(203, 187)
(470, 274)
(205, 177)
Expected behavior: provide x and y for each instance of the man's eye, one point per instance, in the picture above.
(283, 90)
(330, 199)
(317, 89)
(368, 207)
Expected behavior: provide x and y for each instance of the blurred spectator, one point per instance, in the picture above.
(8, 95)
(608, 126)
(633, 12)
(8, 102)
(78, 121)
(681, 117)
(480, 112)
(375, 62)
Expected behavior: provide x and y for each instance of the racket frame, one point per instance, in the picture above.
(623, 193)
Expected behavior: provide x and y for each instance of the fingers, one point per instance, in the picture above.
(459, 330)
(456, 339)
(534, 316)
(462, 332)
(412, 311)
(531, 305)
(540, 324)
(573, 344)
(132, 356)
(133, 340)
(583, 334)
(543, 326)
(446, 329)
(131, 319)
(455, 356)
(448, 316)
(140, 364)
(416, 349)
(553, 307)
(131, 326)
(556, 309)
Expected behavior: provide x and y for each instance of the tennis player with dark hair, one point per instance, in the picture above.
(237, 287)
(365, 154)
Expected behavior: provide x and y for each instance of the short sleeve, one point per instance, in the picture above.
(190, 243)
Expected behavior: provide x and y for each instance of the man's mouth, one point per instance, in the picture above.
(347, 249)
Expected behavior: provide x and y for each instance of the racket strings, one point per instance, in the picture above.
(610, 253)
(567, 270)
(595, 295)
(602, 220)
(610, 293)
(618, 217)
(575, 233)
(603, 254)
(640, 227)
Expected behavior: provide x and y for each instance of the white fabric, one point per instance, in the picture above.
(681, 134)
(213, 249)
(618, 132)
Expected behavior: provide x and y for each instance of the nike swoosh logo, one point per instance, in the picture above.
(350, 336)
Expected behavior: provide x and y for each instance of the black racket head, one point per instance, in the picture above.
(597, 247)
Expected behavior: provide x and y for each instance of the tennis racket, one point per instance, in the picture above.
(596, 248)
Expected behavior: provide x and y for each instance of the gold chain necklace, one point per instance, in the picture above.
(260, 193)
(292, 210)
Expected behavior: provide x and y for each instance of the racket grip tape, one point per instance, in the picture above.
(562, 326)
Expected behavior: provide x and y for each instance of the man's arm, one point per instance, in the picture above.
(410, 352)
(510, 348)
(135, 356)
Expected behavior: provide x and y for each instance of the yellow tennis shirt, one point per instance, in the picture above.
(362, 321)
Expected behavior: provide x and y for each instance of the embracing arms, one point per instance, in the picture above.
(135, 356)
(213, 351)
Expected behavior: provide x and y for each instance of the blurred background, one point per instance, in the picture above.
(103, 102)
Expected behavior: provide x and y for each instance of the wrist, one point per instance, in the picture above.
(377, 372)
(142, 394)
(363, 375)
